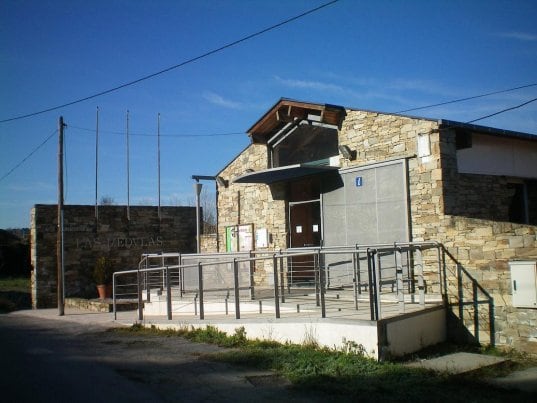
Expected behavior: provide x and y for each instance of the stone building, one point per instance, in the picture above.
(326, 175)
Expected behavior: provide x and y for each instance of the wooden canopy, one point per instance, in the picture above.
(286, 110)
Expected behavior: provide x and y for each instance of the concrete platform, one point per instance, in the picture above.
(458, 363)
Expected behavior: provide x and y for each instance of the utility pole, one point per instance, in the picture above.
(59, 243)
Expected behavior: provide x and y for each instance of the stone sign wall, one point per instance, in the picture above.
(113, 235)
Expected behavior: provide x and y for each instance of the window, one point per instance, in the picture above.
(463, 139)
(304, 141)
(518, 206)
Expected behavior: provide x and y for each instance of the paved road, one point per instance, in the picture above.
(73, 359)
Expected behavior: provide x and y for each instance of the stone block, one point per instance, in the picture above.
(516, 241)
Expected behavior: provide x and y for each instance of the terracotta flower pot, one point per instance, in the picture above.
(105, 291)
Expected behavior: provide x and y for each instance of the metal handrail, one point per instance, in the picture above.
(372, 255)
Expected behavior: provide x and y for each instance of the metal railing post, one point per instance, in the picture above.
(445, 295)
(358, 271)
(371, 283)
(378, 289)
(421, 282)
(252, 280)
(282, 282)
(236, 288)
(147, 281)
(460, 292)
(355, 258)
(181, 275)
(317, 279)
(168, 294)
(200, 286)
(321, 285)
(276, 291)
(114, 295)
(399, 278)
(492, 327)
(440, 277)
(476, 310)
(140, 301)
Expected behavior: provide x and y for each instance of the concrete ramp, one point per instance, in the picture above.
(459, 363)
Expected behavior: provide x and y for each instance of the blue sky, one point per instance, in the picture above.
(378, 55)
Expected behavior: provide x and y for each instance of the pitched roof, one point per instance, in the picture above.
(286, 109)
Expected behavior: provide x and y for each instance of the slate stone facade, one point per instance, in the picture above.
(467, 213)
(112, 235)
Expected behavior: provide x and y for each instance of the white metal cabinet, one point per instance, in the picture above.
(524, 283)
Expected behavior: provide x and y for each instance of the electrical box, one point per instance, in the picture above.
(524, 283)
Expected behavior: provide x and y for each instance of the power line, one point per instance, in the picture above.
(161, 135)
(29, 155)
(504, 110)
(467, 98)
(194, 59)
(224, 134)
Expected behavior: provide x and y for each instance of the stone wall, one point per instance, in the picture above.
(209, 243)
(477, 232)
(380, 137)
(113, 236)
(258, 204)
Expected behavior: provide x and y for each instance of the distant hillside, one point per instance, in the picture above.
(14, 253)
(22, 233)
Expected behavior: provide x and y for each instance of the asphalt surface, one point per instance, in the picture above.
(73, 358)
(45, 358)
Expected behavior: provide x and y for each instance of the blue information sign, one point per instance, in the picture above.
(359, 181)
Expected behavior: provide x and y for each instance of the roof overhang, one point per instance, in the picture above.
(287, 110)
(284, 174)
(450, 124)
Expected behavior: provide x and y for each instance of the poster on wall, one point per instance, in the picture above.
(231, 239)
(239, 238)
(261, 238)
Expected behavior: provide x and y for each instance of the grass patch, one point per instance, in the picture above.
(14, 294)
(210, 334)
(18, 284)
(342, 375)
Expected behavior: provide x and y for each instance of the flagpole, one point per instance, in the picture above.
(128, 172)
(97, 165)
(158, 161)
